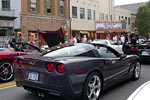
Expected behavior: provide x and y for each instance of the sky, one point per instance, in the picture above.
(121, 2)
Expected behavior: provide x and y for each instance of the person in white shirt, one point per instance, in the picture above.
(122, 39)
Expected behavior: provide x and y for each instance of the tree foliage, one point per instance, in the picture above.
(142, 21)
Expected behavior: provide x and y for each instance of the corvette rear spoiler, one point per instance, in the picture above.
(52, 38)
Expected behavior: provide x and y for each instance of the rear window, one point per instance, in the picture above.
(75, 50)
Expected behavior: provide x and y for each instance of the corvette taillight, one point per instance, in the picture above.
(50, 67)
(20, 63)
(15, 62)
(134, 48)
(60, 68)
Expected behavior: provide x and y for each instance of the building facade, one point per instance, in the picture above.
(9, 18)
(46, 15)
(124, 16)
(96, 17)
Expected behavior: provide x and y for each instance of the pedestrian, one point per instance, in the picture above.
(122, 39)
(12, 41)
(134, 37)
(108, 37)
(31, 39)
(79, 39)
(84, 39)
(71, 40)
(115, 38)
(13, 38)
(75, 39)
(20, 38)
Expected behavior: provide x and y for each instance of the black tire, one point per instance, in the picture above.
(137, 71)
(6, 71)
(92, 87)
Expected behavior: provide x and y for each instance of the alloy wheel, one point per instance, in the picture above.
(6, 71)
(94, 88)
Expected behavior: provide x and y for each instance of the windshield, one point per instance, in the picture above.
(68, 51)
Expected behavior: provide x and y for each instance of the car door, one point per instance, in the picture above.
(115, 66)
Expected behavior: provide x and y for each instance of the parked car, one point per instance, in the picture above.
(75, 70)
(110, 43)
(6, 55)
(141, 93)
(142, 50)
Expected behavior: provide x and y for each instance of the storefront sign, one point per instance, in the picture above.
(108, 26)
(6, 23)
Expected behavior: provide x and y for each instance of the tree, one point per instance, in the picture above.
(142, 21)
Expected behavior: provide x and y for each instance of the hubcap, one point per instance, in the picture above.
(137, 70)
(6, 71)
(94, 88)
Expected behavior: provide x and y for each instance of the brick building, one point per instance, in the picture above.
(45, 15)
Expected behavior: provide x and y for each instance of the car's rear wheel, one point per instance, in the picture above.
(137, 71)
(92, 87)
(6, 71)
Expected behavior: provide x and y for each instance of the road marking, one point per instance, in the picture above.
(7, 85)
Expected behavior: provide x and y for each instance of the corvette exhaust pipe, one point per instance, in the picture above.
(41, 94)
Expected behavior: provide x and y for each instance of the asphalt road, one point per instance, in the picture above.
(121, 91)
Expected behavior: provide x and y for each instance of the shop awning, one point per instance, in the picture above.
(100, 32)
(83, 32)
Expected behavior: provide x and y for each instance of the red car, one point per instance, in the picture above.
(6, 55)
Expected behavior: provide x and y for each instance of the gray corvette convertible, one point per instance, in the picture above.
(75, 71)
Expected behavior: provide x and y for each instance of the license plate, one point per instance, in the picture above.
(33, 76)
(144, 53)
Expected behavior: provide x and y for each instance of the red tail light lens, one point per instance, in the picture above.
(134, 48)
(15, 61)
(20, 63)
(60, 68)
(50, 67)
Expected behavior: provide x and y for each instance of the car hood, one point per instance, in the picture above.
(52, 38)
(142, 93)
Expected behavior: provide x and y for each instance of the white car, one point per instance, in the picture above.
(141, 93)
(110, 43)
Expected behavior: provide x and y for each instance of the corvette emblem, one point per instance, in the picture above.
(32, 63)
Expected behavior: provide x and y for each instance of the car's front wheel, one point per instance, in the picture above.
(6, 71)
(137, 71)
(92, 87)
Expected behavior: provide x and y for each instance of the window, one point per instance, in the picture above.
(111, 17)
(102, 15)
(105, 52)
(93, 14)
(33, 5)
(82, 13)
(49, 6)
(106, 17)
(129, 21)
(61, 7)
(89, 14)
(69, 51)
(5, 4)
(74, 12)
